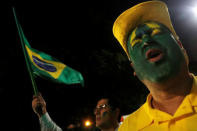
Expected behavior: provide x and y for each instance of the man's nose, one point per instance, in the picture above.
(145, 44)
(96, 111)
(147, 38)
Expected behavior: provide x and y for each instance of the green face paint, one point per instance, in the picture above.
(154, 52)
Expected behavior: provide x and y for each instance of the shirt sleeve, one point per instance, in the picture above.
(47, 124)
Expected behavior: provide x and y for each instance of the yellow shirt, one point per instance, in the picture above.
(148, 119)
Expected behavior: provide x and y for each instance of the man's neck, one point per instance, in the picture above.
(115, 125)
(110, 129)
(171, 92)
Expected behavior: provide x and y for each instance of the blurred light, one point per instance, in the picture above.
(88, 123)
(194, 10)
(71, 126)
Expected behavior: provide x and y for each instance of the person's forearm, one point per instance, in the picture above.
(47, 124)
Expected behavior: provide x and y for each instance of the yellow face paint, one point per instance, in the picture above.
(133, 35)
(136, 41)
(153, 26)
(155, 32)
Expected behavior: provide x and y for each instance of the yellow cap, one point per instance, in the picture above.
(147, 11)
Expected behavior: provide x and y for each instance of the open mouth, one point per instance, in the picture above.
(154, 55)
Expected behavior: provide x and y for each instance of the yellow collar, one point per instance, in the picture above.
(185, 108)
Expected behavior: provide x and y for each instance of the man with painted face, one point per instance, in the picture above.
(160, 62)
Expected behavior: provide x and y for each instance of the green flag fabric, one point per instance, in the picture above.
(46, 66)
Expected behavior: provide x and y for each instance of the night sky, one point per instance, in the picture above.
(79, 34)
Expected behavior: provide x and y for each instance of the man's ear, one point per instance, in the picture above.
(117, 112)
(132, 67)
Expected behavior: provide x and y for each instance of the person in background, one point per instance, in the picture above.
(106, 114)
(161, 63)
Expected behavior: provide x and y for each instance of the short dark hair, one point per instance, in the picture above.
(113, 101)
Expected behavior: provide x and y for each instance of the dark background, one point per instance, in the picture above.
(78, 33)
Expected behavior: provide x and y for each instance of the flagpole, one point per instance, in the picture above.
(35, 89)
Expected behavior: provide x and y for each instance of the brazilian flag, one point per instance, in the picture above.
(46, 66)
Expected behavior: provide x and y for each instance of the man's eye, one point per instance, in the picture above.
(104, 106)
(155, 32)
(135, 42)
